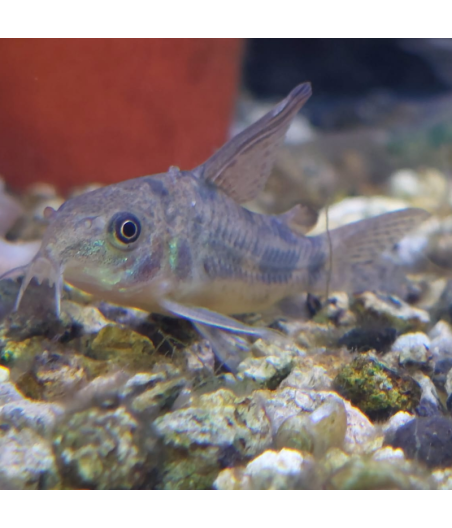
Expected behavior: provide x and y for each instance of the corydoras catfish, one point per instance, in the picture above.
(180, 243)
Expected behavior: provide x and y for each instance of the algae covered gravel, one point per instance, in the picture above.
(351, 396)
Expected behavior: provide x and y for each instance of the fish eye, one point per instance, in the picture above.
(125, 227)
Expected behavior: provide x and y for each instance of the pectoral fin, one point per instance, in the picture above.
(230, 350)
(242, 166)
(204, 316)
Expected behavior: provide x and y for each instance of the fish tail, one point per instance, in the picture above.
(355, 257)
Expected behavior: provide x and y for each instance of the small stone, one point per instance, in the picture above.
(440, 374)
(308, 335)
(4, 374)
(232, 479)
(388, 453)
(39, 416)
(113, 340)
(441, 341)
(430, 403)
(334, 459)
(265, 372)
(158, 398)
(443, 479)
(286, 469)
(313, 378)
(397, 420)
(365, 339)
(26, 460)
(58, 374)
(361, 435)
(376, 390)
(101, 449)
(368, 474)
(272, 470)
(283, 349)
(87, 317)
(9, 393)
(427, 440)
(413, 348)
(218, 430)
(316, 432)
(389, 310)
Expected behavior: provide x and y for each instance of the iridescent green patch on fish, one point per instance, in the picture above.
(180, 257)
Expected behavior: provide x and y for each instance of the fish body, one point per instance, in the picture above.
(196, 246)
(181, 243)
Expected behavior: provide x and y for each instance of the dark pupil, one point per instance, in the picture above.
(128, 229)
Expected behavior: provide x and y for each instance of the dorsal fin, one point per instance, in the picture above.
(242, 166)
(300, 218)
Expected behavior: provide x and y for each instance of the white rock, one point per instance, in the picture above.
(4, 374)
(413, 347)
(361, 435)
(88, 317)
(388, 453)
(277, 470)
(441, 340)
(314, 378)
(396, 421)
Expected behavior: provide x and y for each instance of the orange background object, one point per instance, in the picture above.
(78, 111)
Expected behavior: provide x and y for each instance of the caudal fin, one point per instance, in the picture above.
(355, 256)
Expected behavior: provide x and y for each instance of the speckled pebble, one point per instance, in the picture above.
(412, 348)
(267, 372)
(26, 460)
(314, 378)
(87, 317)
(219, 429)
(39, 416)
(9, 393)
(392, 311)
(272, 470)
(101, 449)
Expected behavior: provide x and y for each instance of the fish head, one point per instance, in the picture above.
(107, 242)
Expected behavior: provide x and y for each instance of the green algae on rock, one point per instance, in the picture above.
(378, 391)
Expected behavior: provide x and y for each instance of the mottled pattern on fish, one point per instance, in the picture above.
(181, 243)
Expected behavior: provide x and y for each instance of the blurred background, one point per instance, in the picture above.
(78, 111)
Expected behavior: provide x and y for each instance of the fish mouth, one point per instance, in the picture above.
(42, 267)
